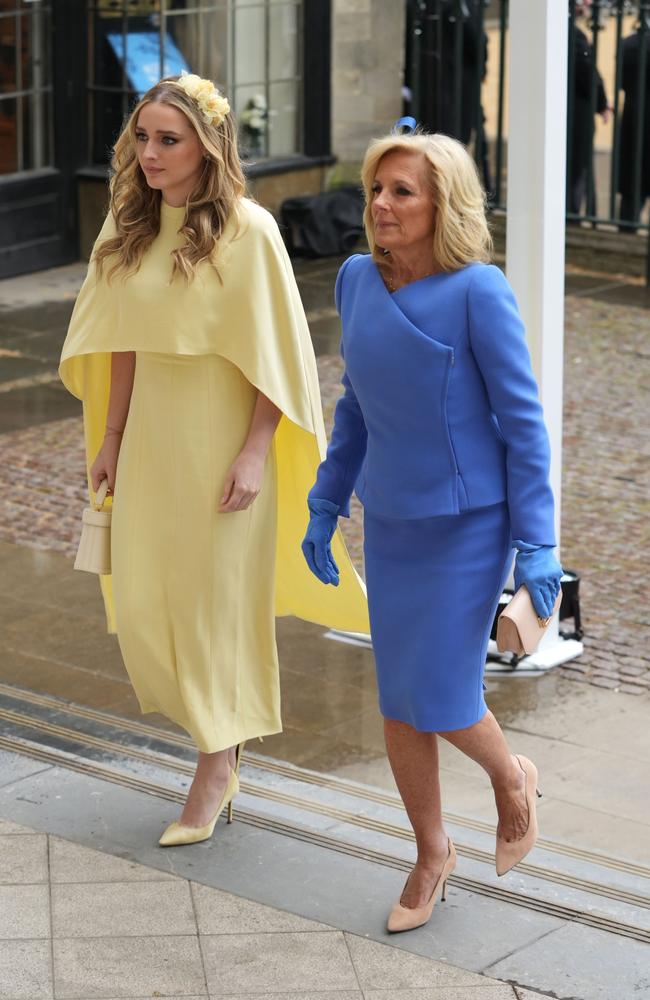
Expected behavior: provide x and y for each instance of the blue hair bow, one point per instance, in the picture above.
(404, 126)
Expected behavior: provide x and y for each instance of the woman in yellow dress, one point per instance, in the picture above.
(189, 347)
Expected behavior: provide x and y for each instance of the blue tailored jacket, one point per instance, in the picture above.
(440, 412)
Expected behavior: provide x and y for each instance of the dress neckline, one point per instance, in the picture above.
(171, 211)
(417, 281)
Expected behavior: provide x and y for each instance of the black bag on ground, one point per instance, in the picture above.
(325, 224)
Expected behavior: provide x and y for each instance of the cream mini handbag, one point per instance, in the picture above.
(94, 552)
(519, 628)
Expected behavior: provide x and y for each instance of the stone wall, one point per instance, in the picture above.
(367, 69)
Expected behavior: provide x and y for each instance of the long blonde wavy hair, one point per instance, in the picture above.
(136, 207)
(460, 232)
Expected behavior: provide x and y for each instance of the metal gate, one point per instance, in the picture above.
(456, 76)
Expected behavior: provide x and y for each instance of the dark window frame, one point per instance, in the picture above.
(38, 207)
(317, 78)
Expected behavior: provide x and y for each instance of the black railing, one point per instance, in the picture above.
(452, 43)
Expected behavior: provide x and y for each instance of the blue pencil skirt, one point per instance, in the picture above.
(433, 589)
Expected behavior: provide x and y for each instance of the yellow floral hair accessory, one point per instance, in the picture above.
(213, 106)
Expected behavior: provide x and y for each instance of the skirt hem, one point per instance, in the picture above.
(252, 730)
(428, 728)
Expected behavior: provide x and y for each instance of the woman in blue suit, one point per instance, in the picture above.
(440, 431)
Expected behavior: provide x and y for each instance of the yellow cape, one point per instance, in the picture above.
(254, 319)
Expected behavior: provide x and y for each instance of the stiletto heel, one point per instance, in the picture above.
(510, 854)
(177, 834)
(405, 918)
(238, 756)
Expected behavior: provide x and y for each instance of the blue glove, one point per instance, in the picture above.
(316, 543)
(539, 571)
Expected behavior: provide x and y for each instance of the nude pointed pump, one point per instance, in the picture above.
(405, 918)
(509, 854)
(177, 834)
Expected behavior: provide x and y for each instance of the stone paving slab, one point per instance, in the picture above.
(220, 912)
(126, 967)
(382, 968)
(501, 992)
(275, 963)
(24, 912)
(23, 859)
(148, 936)
(26, 970)
(7, 827)
(619, 969)
(312, 995)
(145, 908)
(73, 863)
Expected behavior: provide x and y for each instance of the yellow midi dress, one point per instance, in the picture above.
(194, 593)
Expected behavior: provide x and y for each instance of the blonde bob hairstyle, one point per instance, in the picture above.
(136, 207)
(460, 232)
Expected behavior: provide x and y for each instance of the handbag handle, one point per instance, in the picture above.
(100, 495)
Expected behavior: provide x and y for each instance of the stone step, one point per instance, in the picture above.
(339, 815)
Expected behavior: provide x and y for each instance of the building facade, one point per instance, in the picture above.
(72, 69)
(367, 75)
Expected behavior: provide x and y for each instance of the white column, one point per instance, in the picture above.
(538, 46)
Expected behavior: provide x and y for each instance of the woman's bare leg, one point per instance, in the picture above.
(413, 759)
(485, 743)
(208, 786)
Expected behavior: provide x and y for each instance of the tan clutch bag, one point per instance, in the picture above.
(519, 629)
(94, 552)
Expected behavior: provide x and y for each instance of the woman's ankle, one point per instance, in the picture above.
(508, 779)
(431, 853)
(213, 767)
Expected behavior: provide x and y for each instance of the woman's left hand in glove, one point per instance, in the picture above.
(539, 571)
(323, 517)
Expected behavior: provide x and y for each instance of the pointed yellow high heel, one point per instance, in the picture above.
(510, 853)
(406, 918)
(177, 834)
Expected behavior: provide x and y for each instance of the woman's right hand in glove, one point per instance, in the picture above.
(538, 570)
(316, 543)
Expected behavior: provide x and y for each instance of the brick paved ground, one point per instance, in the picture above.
(605, 485)
(606, 488)
(42, 485)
